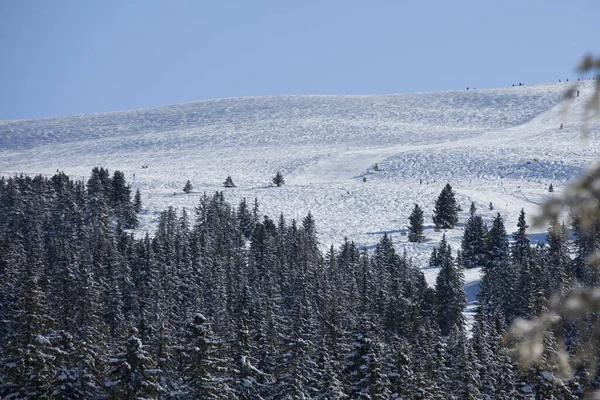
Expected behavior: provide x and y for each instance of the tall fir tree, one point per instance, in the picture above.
(557, 265)
(132, 372)
(498, 280)
(473, 245)
(526, 271)
(416, 225)
(451, 297)
(445, 214)
(201, 366)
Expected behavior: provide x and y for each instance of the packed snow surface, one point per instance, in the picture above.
(501, 146)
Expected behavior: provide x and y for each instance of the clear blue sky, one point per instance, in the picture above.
(65, 57)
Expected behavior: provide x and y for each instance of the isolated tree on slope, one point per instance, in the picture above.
(445, 214)
(278, 179)
(416, 225)
(228, 182)
(188, 187)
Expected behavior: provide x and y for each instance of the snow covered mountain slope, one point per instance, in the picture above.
(502, 146)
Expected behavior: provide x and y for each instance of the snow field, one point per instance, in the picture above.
(493, 145)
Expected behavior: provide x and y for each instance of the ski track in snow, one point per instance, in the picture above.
(492, 145)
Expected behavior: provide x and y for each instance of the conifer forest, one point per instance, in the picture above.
(223, 302)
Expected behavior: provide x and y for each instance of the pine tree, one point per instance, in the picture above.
(137, 201)
(551, 188)
(278, 179)
(521, 246)
(403, 380)
(445, 215)
(472, 209)
(498, 280)
(586, 242)
(451, 297)
(201, 367)
(366, 372)
(473, 245)
(428, 366)
(187, 188)
(26, 353)
(82, 353)
(249, 381)
(558, 262)
(120, 192)
(525, 270)
(332, 386)
(416, 225)
(132, 372)
(228, 182)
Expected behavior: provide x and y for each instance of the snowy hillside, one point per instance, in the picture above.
(496, 145)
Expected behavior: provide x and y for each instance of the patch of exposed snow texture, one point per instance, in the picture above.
(547, 376)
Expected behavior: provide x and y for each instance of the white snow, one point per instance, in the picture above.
(547, 376)
(42, 340)
(499, 145)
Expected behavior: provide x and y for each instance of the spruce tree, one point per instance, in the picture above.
(201, 368)
(187, 188)
(132, 372)
(416, 225)
(557, 267)
(586, 242)
(137, 201)
(445, 214)
(120, 192)
(27, 363)
(473, 245)
(498, 280)
(525, 270)
(451, 297)
(246, 221)
(472, 209)
(366, 371)
(278, 179)
(228, 182)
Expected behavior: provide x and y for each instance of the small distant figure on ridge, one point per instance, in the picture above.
(578, 93)
(561, 126)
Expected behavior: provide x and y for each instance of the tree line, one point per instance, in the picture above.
(223, 302)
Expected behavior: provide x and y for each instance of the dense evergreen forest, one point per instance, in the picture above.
(223, 302)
